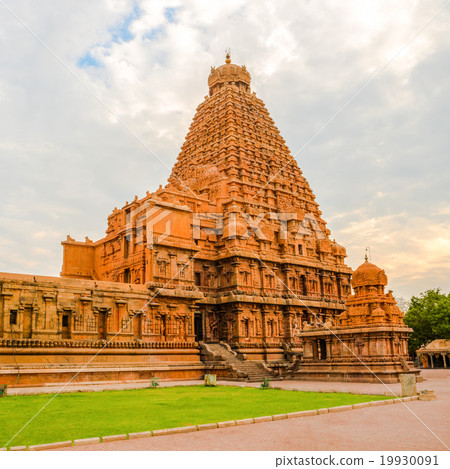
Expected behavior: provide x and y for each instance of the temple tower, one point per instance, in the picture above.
(236, 203)
(266, 265)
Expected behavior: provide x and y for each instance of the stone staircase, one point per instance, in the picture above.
(245, 370)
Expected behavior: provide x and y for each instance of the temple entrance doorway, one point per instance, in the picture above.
(65, 327)
(198, 327)
(322, 349)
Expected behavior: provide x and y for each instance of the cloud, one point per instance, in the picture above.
(380, 169)
(414, 250)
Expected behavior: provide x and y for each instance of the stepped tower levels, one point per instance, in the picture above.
(236, 203)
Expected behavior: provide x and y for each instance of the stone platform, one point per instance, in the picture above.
(34, 362)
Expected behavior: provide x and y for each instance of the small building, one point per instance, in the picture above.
(436, 354)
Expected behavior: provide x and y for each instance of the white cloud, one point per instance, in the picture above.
(46, 234)
(414, 251)
(380, 170)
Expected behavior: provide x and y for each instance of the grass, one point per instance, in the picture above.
(89, 414)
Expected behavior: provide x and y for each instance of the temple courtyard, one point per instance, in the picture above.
(407, 426)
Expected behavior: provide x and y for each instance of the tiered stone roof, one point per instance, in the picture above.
(234, 147)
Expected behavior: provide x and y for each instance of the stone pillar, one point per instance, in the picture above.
(148, 263)
(172, 266)
(408, 385)
(235, 275)
(261, 277)
(288, 331)
(339, 286)
(328, 347)
(286, 271)
(276, 279)
(253, 274)
(263, 323)
(321, 289)
(444, 357)
(431, 359)
(306, 292)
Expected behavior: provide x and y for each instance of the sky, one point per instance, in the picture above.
(96, 99)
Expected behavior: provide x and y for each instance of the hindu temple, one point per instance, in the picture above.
(227, 269)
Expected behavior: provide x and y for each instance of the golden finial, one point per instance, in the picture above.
(228, 59)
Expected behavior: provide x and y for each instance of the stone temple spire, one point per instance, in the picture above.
(233, 150)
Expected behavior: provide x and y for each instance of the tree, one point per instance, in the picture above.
(429, 317)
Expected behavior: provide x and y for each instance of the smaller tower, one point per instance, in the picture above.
(370, 304)
(369, 340)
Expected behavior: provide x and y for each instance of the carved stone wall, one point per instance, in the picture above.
(44, 308)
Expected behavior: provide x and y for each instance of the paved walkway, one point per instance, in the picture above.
(400, 427)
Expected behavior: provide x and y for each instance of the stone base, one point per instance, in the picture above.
(120, 374)
(352, 372)
(35, 366)
(427, 395)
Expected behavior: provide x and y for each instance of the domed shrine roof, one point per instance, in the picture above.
(228, 74)
(368, 274)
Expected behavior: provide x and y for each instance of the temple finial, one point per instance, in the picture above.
(228, 59)
(366, 257)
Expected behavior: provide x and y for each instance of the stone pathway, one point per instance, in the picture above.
(401, 427)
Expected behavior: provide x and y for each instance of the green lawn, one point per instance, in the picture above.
(88, 414)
